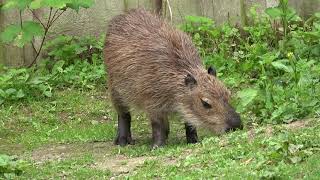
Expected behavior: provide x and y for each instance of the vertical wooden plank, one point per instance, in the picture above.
(243, 13)
(158, 6)
(11, 55)
(207, 8)
(271, 3)
(2, 48)
(305, 8)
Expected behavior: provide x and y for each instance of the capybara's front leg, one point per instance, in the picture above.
(159, 131)
(191, 133)
(124, 130)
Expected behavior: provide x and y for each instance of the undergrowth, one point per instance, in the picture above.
(71, 62)
(272, 64)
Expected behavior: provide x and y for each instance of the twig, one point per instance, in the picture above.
(46, 29)
(34, 48)
(54, 15)
(41, 45)
(50, 13)
(54, 20)
(20, 14)
(35, 15)
(51, 19)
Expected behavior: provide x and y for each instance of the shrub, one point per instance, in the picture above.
(72, 62)
(11, 167)
(273, 63)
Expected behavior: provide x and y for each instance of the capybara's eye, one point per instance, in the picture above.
(206, 104)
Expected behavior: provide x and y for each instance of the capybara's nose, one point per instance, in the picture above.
(234, 123)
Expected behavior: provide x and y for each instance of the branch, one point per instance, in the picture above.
(54, 20)
(41, 46)
(48, 23)
(34, 48)
(46, 29)
(51, 19)
(35, 15)
(20, 14)
(54, 15)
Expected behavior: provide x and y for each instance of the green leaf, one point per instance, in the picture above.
(59, 4)
(10, 91)
(36, 81)
(77, 4)
(246, 96)
(58, 67)
(269, 57)
(20, 4)
(20, 94)
(279, 65)
(295, 159)
(47, 93)
(10, 33)
(36, 4)
(274, 12)
(20, 36)
(2, 93)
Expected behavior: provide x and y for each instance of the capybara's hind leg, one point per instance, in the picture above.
(124, 121)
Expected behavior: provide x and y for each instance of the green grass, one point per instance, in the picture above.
(70, 136)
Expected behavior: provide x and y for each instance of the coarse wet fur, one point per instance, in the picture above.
(156, 68)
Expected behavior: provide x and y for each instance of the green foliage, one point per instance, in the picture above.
(23, 32)
(72, 62)
(11, 167)
(274, 68)
(209, 38)
(36, 4)
(20, 35)
(72, 49)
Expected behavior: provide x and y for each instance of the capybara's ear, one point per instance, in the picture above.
(212, 71)
(190, 81)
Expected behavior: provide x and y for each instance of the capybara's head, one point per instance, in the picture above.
(207, 102)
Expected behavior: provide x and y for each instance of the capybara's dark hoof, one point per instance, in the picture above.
(192, 140)
(123, 141)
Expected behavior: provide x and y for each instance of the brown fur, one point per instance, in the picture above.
(147, 62)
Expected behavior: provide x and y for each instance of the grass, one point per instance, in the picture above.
(70, 136)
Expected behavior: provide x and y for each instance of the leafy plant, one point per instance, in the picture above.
(66, 66)
(11, 167)
(273, 68)
(285, 13)
(23, 32)
(71, 49)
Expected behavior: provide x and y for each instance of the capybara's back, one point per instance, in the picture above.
(154, 67)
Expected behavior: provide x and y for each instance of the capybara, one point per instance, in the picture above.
(155, 68)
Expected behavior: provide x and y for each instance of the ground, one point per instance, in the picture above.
(70, 136)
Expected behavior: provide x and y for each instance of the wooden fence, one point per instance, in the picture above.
(93, 21)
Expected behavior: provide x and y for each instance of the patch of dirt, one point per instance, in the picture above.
(121, 164)
(11, 149)
(63, 151)
(297, 124)
(117, 164)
